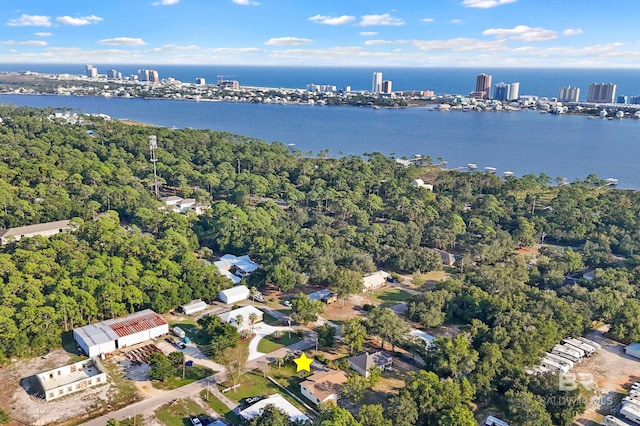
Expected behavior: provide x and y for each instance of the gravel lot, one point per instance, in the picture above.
(613, 372)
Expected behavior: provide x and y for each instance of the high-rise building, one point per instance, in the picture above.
(622, 99)
(514, 93)
(386, 87)
(483, 84)
(376, 85)
(201, 80)
(114, 74)
(153, 76)
(501, 91)
(634, 100)
(91, 71)
(601, 93)
(569, 94)
(143, 75)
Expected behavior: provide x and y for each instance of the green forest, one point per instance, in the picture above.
(314, 219)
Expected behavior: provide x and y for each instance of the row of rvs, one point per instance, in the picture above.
(565, 355)
(630, 409)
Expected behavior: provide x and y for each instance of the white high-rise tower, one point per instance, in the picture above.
(376, 85)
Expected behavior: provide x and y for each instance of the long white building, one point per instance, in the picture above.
(117, 333)
(376, 84)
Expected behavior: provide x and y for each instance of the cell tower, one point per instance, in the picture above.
(153, 145)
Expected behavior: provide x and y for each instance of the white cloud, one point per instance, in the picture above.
(522, 33)
(25, 43)
(485, 4)
(428, 20)
(287, 41)
(82, 20)
(333, 20)
(174, 48)
(234, 50)
(572, 31)
(30, 21)
(456, 21)
(246, 2)
(368, 33)
(459, 44)
(165, 3)
(42, 34)
(378, 42)
(123, 41)
(386, 19)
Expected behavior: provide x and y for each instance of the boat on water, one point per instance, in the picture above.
(611, 181)
(490, 169)
(472, 166)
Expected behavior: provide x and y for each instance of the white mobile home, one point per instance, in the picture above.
(234, 294)
(576, 349)
(566, 353)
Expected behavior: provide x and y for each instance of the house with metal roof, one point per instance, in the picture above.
(45, 229)
(193, 307)
(278, 401)
(235, 267)
(234, 294)
(243, 315)
(117, 333)
(375, 281)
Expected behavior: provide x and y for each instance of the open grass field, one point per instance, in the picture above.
(191, 374)
(216, 405)
(177, 413)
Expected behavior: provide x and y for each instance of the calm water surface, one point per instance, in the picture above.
(522, 142)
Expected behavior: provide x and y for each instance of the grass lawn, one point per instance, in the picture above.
(289, 378)
(220, 408)
(269, 344)
(191, 375)
(193, 332)
(250, 385)
(390, 296)
(177, 413)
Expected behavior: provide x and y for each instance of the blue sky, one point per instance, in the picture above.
(432, 33)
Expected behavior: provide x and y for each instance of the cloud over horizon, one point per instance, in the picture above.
(123, 41)
(287, 41)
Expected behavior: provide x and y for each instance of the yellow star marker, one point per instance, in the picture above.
(303, 363)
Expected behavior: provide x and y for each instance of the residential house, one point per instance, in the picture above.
(244, 313)
(278, 401)
(364, 362)
(182, 205)
(324, 295)
(235, 267)
(419, 183)
(447, 258)
(375, 281)
(323, 386)
(71, 378)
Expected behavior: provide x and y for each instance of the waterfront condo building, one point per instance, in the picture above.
(376, 85)
(569, 94)
(506, 92)
(386, 87)
(601, 93)
(91, 71)
(483, 86)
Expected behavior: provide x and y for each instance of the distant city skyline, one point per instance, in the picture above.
(442, 33)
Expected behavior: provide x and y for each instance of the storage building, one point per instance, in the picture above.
(117, 333)
(633, 349)
(234, 294)
(193, 307)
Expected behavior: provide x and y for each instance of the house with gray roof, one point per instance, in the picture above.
(362, 363)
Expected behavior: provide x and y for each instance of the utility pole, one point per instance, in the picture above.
(153, 145)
